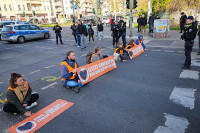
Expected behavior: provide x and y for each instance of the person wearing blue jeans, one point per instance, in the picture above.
(78, 35)
(69, 69)
(100, 30)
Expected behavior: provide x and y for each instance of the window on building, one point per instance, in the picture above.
(0, 7)
(35, 8)
(10, 7)
(19, 7)
(45, 8)
(23, 7)
(48, 8)
(5, 8)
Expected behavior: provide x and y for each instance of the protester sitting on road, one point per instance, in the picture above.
(69, 69)
(121, 53)
(97, 54)
(140, 41)
(19, 96)
(130, 44)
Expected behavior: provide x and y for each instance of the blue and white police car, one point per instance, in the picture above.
(23, 32)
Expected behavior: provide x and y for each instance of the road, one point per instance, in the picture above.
(148, 94)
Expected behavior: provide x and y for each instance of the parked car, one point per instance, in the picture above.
(106, 21)
(23, 32)
(2, 23)
(35, 21)
(89, 21)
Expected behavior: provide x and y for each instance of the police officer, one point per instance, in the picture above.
(57, 30)
(115, 34)
(188, 36)
(122, 32)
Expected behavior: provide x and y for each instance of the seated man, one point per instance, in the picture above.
(119, 51)
(130, 44)
(140, 41)
(97, 54)
(69, 69)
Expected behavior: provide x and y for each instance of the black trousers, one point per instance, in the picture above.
(124, 56)
(182, 27)
(124, 39)
(60, 37)
(75, 37)
(139, 26)
(188, 50)
(11, 108)
(91, 36)
(115, 39)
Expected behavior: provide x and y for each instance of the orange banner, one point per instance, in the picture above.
(135, 51)
(39, 119)
(91, 71)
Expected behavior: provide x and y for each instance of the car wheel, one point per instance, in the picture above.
(46, 36)
(21, 39)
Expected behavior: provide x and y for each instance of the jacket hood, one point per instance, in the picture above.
(139, 36)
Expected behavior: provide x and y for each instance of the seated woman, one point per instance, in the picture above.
(130, 44)
(97, 55)
(19, 96)
(121, 53)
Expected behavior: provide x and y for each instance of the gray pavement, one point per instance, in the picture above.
(132, 98)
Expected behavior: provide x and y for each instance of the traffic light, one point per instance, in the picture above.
(127, 4)
(135, 4)
(24, 13)
(33, 13)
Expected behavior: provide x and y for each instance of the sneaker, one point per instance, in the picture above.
(76, 89)
(78, 46)
(88, 42)
(82, 49)
(15, 113)
(32, 105)
(85, 47)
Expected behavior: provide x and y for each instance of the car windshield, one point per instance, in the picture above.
(7, 28)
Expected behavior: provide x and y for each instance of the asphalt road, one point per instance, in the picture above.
(137, 97)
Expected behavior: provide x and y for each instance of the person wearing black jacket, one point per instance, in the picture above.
(139, 23)
(100, 30)
(119, 23)
(188, 36)
(122, 31)
(57, 30)
(143, 23)
(82, 30)
(115, 33)
(91, 33)
(182, 21)
(73, 27)
(151, 23)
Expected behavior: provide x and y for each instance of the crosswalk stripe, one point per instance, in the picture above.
(173, 124)
(183, 96)
(189, 74)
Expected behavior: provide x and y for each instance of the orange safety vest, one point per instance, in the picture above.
(140, 42)
(128, 47)
(121, 51)
(10, 88)
(70, 69)
(97, 57)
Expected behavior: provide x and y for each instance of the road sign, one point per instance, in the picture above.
(75, 7)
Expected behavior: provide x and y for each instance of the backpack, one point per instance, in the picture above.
(88, 57)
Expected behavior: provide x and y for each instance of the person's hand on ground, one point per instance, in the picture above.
(27, 113)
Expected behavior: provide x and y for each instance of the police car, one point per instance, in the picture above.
(2, 23)
(23, 32)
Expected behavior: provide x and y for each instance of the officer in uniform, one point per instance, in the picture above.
(188, 36)
(115, 30)
(122, 32)
(57, 30)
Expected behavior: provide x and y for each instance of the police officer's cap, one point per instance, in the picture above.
(191, 17)
(182, 13)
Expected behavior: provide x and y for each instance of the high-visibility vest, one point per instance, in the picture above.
(97, 57)
(128, 47)
(70, 69)
(121, 50)
(10, 88)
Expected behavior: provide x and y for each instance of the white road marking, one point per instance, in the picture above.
(49, 66)
(18, 46)
(34, 71)
(188, 74)
(155, 50)
(168, 51)
(183, 96)
(181, 51)
(44, 88)
(1, 82)
(146, 41)
(173, 124)
(8, 48)
(195, 63)
(43, 47)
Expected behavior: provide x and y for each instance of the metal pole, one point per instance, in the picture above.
(115, 10)
(73, 12)
(97, 15)
(131, 17)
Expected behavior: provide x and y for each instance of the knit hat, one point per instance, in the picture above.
(191, 17)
